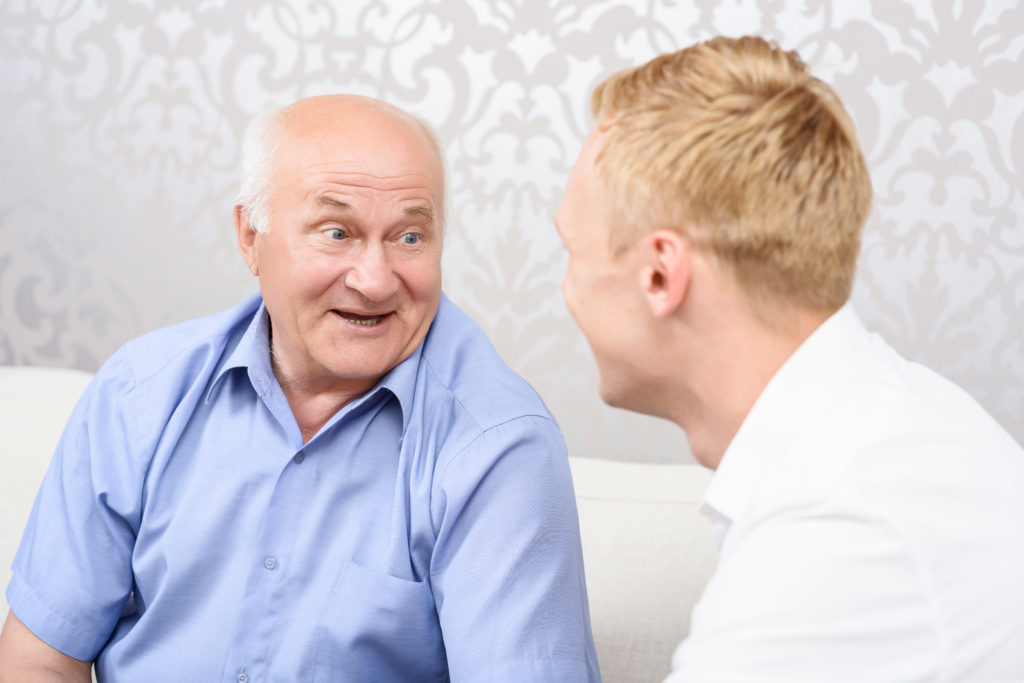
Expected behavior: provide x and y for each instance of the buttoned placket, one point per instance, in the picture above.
(266, 585)
(252, 636)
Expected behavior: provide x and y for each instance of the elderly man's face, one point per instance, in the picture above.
(350, 269)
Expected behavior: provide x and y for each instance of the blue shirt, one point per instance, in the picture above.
(428, 532)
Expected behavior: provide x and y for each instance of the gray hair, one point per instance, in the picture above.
(259, 145)
(442, 159)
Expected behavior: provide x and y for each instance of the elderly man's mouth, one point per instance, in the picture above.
(363, 320)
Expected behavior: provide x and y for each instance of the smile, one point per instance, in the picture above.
(363, 320)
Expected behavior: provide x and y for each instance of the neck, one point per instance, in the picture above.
(730, 361)
(313, 398)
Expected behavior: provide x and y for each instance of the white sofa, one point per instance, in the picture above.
(648, 552)
(34, 404)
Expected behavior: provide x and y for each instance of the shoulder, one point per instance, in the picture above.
(869, 409)
(906, 456)
(922, 451)
(159, 350)
(894, 445)
(460, 361)
(894, 417)
(147, 378)
(895, 485)
(904, 492)
(473, 409)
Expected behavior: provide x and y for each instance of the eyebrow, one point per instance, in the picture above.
(329, 201)
(422, 210)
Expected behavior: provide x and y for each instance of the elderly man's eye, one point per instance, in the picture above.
(410, 238)
(336, 234)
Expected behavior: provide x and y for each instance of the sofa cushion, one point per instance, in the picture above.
(648, 553)
(34, 405)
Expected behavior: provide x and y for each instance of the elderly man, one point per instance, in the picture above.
(337, 480)
(869, 513)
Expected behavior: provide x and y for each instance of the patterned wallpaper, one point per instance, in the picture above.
(119, 155)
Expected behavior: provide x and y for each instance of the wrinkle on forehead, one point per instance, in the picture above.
(423, 210)
(415, 193)
(371, 180)
(333, 188)
(340, 145)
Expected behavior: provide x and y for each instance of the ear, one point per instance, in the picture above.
(246, 239)
(666, 272)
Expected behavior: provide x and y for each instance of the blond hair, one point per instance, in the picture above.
(733, 143)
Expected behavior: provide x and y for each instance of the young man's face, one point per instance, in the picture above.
(599, 287)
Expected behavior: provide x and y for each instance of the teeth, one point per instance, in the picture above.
(365, 322)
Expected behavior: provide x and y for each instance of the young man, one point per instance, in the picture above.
(869, 512)
(336, 480)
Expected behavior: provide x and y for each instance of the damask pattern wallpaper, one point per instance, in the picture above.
(119, 155)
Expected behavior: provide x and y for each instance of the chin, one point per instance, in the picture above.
(613, 395)
(632, 397)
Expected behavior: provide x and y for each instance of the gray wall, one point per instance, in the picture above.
(120, 126)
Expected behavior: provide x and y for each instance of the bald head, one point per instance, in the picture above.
(375, 134)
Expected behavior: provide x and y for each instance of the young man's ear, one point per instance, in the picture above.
(246, 239)
(666, 272)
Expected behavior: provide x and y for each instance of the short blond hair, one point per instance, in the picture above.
(733, 143)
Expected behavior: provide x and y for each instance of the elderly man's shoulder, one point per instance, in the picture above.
(195, 342)
(463, 362)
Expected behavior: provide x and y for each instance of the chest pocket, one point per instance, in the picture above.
(376, 627)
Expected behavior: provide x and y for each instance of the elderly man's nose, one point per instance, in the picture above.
(371, 275)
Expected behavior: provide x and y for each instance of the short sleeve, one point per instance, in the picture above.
(72, 571)
(507, 569)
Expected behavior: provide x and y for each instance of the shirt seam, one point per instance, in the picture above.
(131, 413)
(220, 337)
(480, 429)
(442, 472)
(485, 431)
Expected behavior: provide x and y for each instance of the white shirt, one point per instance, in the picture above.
(870, 517)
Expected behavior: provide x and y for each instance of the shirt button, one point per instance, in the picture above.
(299, 457)
(243, 677)
(269, 562)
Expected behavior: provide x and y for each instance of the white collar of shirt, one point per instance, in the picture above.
(791, 400)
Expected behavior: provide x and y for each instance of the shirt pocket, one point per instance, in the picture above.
(377, 627)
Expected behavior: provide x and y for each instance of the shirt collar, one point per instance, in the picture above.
(789, 403)
(253, 353)
(401, 381)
